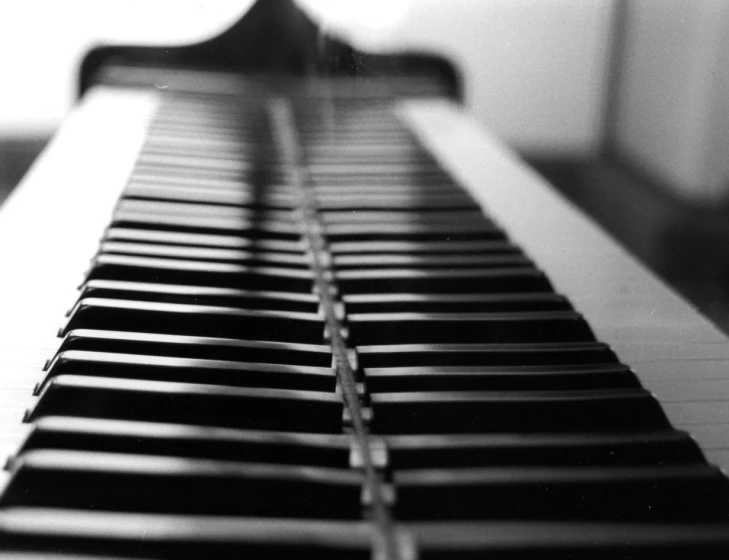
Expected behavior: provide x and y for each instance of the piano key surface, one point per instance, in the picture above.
(464, 437)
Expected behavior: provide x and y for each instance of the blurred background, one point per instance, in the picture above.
(622, 104)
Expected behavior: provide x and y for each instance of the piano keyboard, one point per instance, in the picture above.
(300, 334)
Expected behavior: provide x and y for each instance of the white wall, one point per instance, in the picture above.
(42, 42)
(535, 69)
(672, 109)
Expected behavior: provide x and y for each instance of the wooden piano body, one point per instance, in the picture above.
(49, 231)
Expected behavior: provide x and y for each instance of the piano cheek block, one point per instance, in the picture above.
(204, 405)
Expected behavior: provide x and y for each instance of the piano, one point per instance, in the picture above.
(259, 304)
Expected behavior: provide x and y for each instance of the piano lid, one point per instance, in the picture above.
(274, 37)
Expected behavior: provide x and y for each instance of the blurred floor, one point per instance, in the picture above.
(686, 246)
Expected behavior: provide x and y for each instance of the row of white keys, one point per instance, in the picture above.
(678, 354)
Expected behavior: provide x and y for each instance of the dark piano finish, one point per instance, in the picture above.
(274, 37)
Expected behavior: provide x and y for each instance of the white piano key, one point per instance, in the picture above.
(690, 391)
(657, 371)
(647, 323)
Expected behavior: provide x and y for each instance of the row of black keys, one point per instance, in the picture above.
(112, 300)
(105, 373)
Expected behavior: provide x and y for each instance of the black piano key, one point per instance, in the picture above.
(466, 260)
(483, 280)
(412, 188)
(208, 225)
(35, 531)
(250, 152)
(140, 190)
(535, 449)
(363, 180)
(413, 232)
(396, 216)
(553, 540)
(200, 295)
(454, 303)
(617, 410)
(211, 184)
(140, 235)
(197, 347)
(188, 272)
(352, 201)
(247, 174)
(194, 320)
(483, 378)
(177, 440)
(202, 129)
(197, 162)
(148, 483)
(184, 403)
(642, 493)
(259, 258)
(404, 355)
(380, 168)
(191, 370)
(404, 328)
(204, 210)
(408, 248)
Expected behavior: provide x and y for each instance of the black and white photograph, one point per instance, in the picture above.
(364, 279)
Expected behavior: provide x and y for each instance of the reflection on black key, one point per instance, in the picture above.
(616, 410)
(177, 271)
(422, 247)
(504, 378)
(122, 482)
(525, 279)
(521, 449)
(252, 257)
(145, 535)
(197, 320)
(200, 295)
(395, 355)
(205, 405)
(191, 370)
(178, 440)
(208, 225)
(454, 303)
(670, 493)
(197, 347)
(138, 235)
(413, 232)
(523, 540)
(346, 262)
(404, 328)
